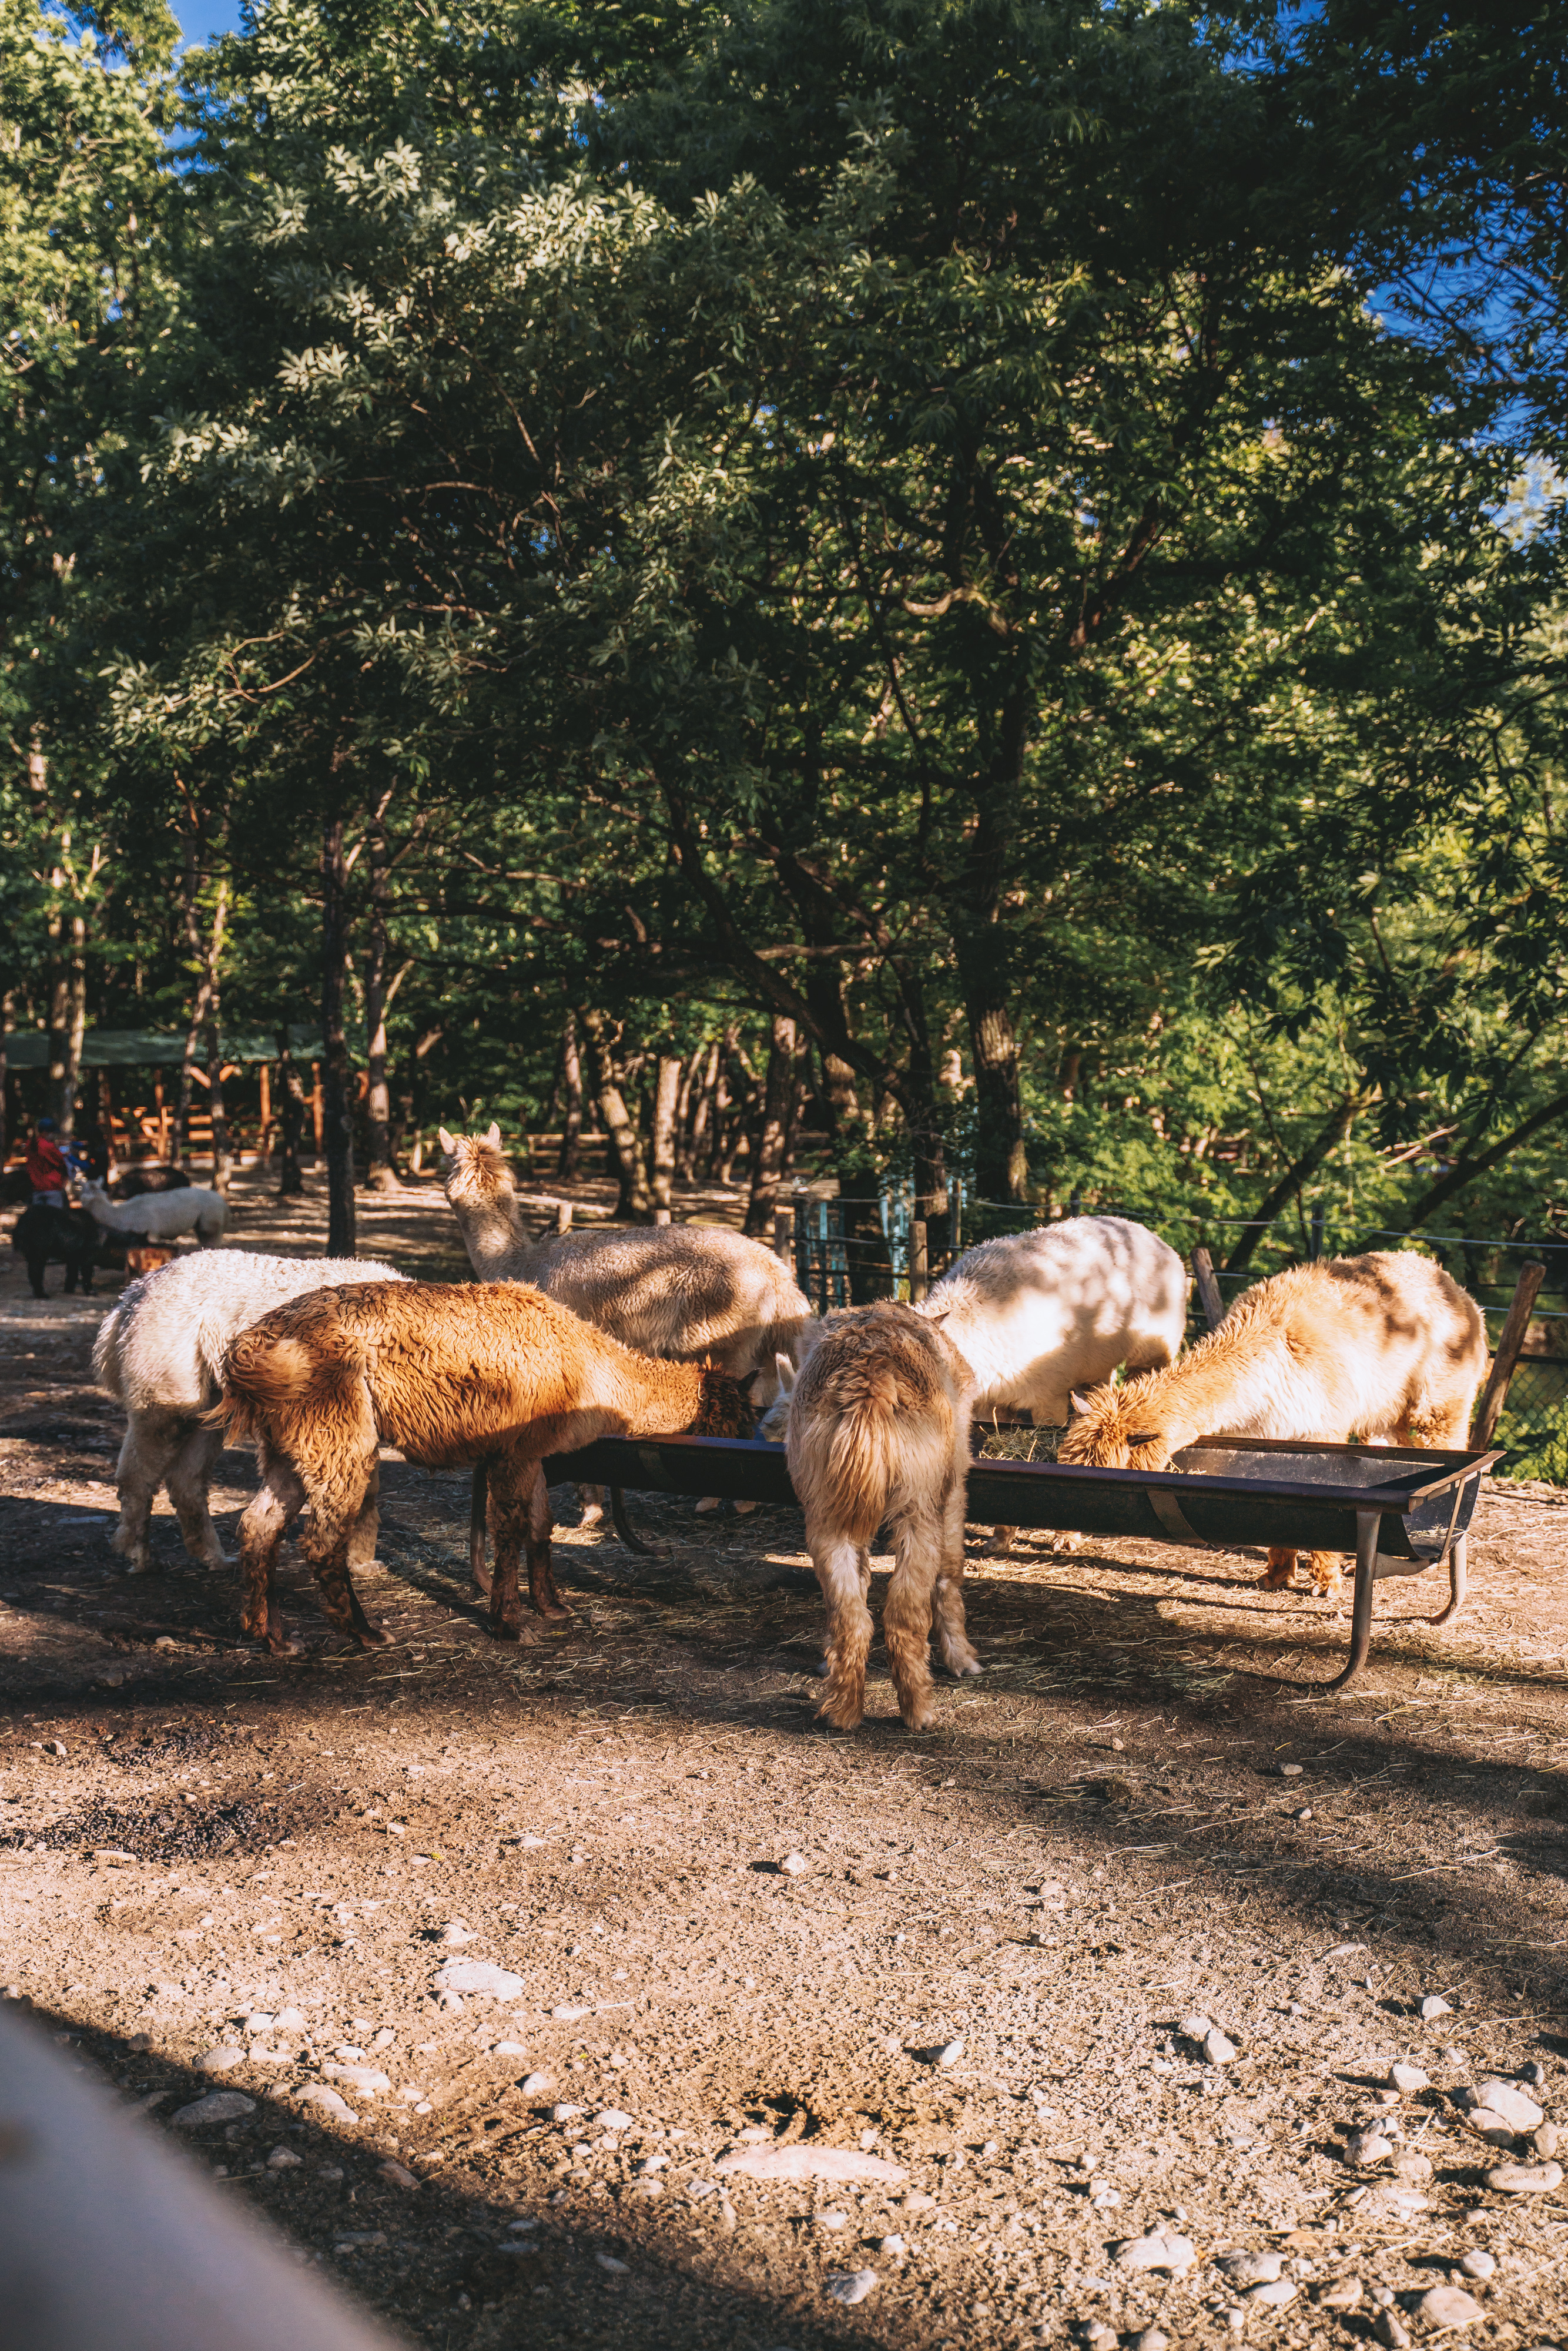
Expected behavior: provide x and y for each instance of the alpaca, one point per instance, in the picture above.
(1037, 1315)
(146, 1176)
(43, 1236)
(691, 1292)
(1385, 1345)
(158, 1216)
(488, 1371)
(160, 1353)
(877, 1426)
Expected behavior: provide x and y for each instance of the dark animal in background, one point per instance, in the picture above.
(65, 1237)
(129, 1183)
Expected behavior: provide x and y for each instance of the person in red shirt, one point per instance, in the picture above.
(47, 1169)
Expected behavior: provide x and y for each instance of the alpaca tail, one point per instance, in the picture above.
(106, 1369)
(879, 1452)
(307, 1368)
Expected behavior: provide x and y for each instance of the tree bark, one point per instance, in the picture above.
(222, 1164)
(571, 1153)
(666, 1097)
(1001, 1165)
(337, 1109)
(1329, 1135)
(7, 1023)
(633, 1202)
(290, 1121)
(381, 1176)
(702, 1114)
(1480, 1162)
(773, 1138)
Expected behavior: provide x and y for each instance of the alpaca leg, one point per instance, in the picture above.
(517, 1490)
(339, 1601)
(907, 1613)
(190, 1479)
(842, 1573)
(151, 1442)
(367, 1526)
(592, 1498)
(948, 1601)
(546, 1599)
(1326, 1578)
(1279, 1573)
(478, 1527)
(262, 1529)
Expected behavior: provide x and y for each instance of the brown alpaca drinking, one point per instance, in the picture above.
(452, 1376)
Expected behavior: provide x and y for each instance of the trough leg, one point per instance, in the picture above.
(1367, 1526)
(1459, 1580)
(623, 1527)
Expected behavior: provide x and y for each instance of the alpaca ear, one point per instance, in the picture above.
(448, 1141)
(785, 1371)
(1148, 1437)
(493, 1139)
(1079, 1401)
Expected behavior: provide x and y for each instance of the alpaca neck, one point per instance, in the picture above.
(494, 1235)
(657, 1399)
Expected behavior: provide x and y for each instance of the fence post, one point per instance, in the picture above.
(562, 1216)
(1208, 1294)
(1315, 1246)
(1494, 1395)
(784, 1236)
(954, 1218)
(1075, 1204)
(919, 1265)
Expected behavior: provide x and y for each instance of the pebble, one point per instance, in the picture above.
(317, 2094)
(795, 1864)
(917, 2200)
(607, 2261)
(217, 2106)
(1479, 2265)
(834, 2220)
(1305, 1814)
(1366, 2147)
(368, 2080)
(1341, 2293)
(260, 2021)
(1383, 2295)
(894, 2247)
(1534, 2073)
(1236, 2318)
(1515, 2179)
(1517, 2112)
(1290, 1770)
(566, 2113)
(1097, 2335)
(1275, 2295)
(1196, 2028)
(398, 2174)
(221, 2059)
(283, 2158)
(289, 2020)
(1250, 2269)
(951, 2051)
(851, 2285)
(534, 2084)
(483, 1976)
(1544, 2140)
(1489, 2124)
(1449, 2305)
(567, 2014)
(1387, 2329)
(455, 1933)
(263, 2053)
(613, 2119)
(1412, 2166)
(1151, 2339)
(510, 2049)
(810, 2162)
(1216, 2049)
(1406, 2078)
(1162, 2248)
(1431, 2009)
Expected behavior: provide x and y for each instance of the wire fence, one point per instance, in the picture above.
(848, 1250)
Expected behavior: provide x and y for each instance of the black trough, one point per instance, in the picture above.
(1400, 1511)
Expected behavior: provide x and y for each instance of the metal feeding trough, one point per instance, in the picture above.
(1400, 1510)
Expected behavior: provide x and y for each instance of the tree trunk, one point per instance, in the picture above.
(7, 1023)
(723, 1147)
(1480, 1162)
(666, 1097)
(633, 1202)
(1001, 1164)
(702, 1113)
(1001, 1168)
(290, 1121)
(222, 1164)
(337, 1107)
(68, 1010)
(190, 892)
(571, 1153)
(381, 1176)
(773, 1140)
(1328, 1136)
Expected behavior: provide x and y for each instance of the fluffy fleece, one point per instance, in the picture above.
(876, 1427)
(160, 1215)
(159, 1354)
(1382, 1345)
(491, 1373)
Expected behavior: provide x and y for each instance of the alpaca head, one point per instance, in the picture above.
(1111, 1430)
(726, 1409)
(476, 1169)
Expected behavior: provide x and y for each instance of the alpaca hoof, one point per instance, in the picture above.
(841, 1713)
(557, 1613)
(592, 1515)
(482, 1584)
(821, 1669)
(1277, 1579)
(375, 1637)
(919, 1718)
(1066, 1542)
(514, 1629)
(961, 1663)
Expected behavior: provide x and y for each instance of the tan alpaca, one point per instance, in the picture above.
(490, 1373)
(1382, 1345)
(878, 1428)
(688, 1291)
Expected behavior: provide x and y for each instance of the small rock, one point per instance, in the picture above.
(851, 2285)
(1216, 2049)
(1341, 2293)
(510, 2049)
(1290, 1770)
(483, 1976)
(795, 1864)
(222, 2060)
(1515, 2179)
(1275, 2295)
(1162, 2248)
(1478, 2264)
(289, 2020)
(1533, 2072)
(450, 2003)
(1151, 2339)
(566, 2113)
(1449, 2305)
(455, 1933)
(1411, 2166)
(283, 2158)
(917, 2200)
(607, 2261)
(1387, 2329)
(1544, 2140)
(1517, 2112)
(262, 2052)
(397, 2173)
(1406, 2078)
(1196, 2028)
(951, 2051)
(1096, 2336)
(613, 2119)
(56, 1747)
(1432, 2007)
(832, 2220)
(894, 2247)
(1305, 1814)
(567, 2014)
(1250, 2269)
(366, 2079)
(534, 2085)
(217, 2106)
(1366, 2147)
(317, 2094)
(1494, 2128)
(1236, 2318)
(1383, 2295)
(260, 2021)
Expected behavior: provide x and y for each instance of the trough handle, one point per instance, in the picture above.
(1207, 1287)
(1509, 1347)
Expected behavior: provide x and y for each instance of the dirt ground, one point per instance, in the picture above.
(979, 1975)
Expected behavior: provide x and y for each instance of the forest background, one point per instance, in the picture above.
(912, 588)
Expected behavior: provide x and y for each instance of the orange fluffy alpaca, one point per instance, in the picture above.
(491, 1372)
(1384, 1346)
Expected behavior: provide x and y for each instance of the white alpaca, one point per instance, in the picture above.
(684, 1292)
(159, 1354)
(159, 1215)
(1038, 1314)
